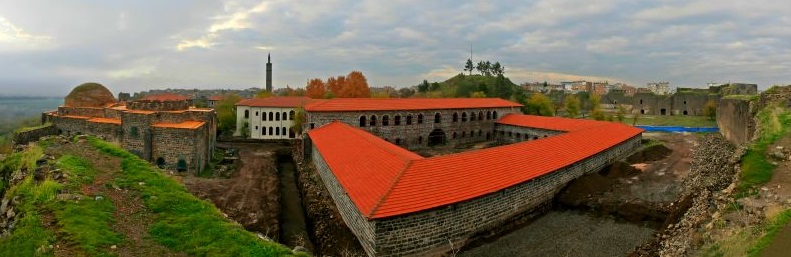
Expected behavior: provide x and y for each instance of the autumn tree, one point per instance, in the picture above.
(226, 113)
(539, 104)
(334, 85)
(572, 106)
(355, 86)
(316, 88)
(710, 109)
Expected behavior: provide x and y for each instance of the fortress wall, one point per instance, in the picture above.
(23, 138)
(735, 120)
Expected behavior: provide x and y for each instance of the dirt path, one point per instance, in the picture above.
(251, 196)
(778, 192)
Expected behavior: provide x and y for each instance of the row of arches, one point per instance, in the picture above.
(407, 120)
(272, 116)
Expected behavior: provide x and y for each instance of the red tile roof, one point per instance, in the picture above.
(384, 180)
(106, 120)
(279, 101)
(182, 125)
(549, 123)
(165, 97)
(392, 104)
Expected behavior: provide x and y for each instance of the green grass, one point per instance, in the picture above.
(26, 129)
(771, 228)
(184, 222)
(28, 239)
(743, 97)
(80, 171)
(756, 168)
(671, 120)
(88, 222)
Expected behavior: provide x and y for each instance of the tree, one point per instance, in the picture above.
(621, 113)
(355, 86)
(478, 94)
(226, 113)
(572, 106)
(539, 104)
(263, 94)
(502, 89)
(406, 92)
(595, 107)
(334, 85)
(423, 87)
(710, 109)
(316, 88)
(434, 86)
(468, 66)
(299, 119)
(497, 69)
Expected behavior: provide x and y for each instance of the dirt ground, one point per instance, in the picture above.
(606, 213)
(251, 195)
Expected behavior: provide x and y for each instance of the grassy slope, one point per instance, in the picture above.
(756, 169)
(462, 86)
(183, 222)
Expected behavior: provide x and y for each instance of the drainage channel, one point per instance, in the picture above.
(293, 224)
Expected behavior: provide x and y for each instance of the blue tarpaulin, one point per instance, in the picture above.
(678, 129)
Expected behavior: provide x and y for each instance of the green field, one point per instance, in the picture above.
(671, 120)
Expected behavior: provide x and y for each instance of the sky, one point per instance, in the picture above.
(49, 47)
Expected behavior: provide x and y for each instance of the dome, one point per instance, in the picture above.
(89, 95)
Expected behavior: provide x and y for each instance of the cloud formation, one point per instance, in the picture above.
(130, 46)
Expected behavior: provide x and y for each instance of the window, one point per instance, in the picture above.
(271, 116)
(283, 131)
(420, 139)
(263, 116)
(472, 116)
(256, 114)
(397, 120)
(494, 115)
(455, 117)
(256, 127)
(518, 135)
(385, 120)
(263, 131)
(480, 133)
(480, 115)
(409, 119)
(437, 118)
(488, 115)
(291, 115)
(463, 134)
(133, 131)
(270, 131)
(641, 101)
(277, 116)
(373, 120)
(398, 141)
(362, 121)
(420, 118)
(472, 133)
(312, 125)
(464, 117)
(454, 135)
(246, 114)
(285, 117)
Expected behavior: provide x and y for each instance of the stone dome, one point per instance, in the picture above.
(89, 95)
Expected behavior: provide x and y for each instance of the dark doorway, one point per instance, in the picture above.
(436, 137)
(161, 162)
(642, 111)
(663, 111)
(685, 112)
(181, 165)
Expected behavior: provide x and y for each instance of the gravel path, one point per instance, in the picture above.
(567, 234)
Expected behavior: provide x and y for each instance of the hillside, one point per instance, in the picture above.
(464, 85)
(88, 197)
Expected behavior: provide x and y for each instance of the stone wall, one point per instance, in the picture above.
(430, 232)
(23, 138)
(777, 95)
(159, 106)
(514, 134)
(81, 111)
(735, 120)
(173, 144)
(411, 132)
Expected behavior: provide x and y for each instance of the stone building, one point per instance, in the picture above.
(399, 203)
(685, 101)
(415, 123)
(269, 118)
(164, 129)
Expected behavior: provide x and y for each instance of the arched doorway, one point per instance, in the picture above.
(161, 162)
(436, 137)
(663, 111)
(181, 165)
(685, 112)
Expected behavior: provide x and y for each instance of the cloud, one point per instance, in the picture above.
(236, 20)
(14, 38)
(611, 45)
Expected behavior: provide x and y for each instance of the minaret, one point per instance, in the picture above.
(269, 72)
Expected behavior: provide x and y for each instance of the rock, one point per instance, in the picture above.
(40, 174)
(10, 214)
(299, 249)
(141, 183)
(98, 198)
(113, 247)
(778, 154)
(3, 205)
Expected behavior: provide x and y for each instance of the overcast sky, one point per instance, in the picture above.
(48, 47)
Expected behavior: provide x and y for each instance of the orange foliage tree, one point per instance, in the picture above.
(316, 88)
(355, 86)
(334, 85)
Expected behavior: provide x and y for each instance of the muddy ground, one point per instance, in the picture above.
(607, 213)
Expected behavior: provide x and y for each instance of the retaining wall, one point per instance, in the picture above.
(23, 138)
(735, 120)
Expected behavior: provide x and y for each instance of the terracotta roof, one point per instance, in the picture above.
(182, 125)
(106, 120)
(392, 104)
(140, 112)
(75, 117)
(165, 97)
(549, 123)
(383, 182)
(279, 101)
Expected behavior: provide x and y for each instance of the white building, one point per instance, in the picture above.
(269, 118)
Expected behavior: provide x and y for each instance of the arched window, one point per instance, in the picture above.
(283, 131)
(161, 162)
(270, 131)
(464, 117)
(291, 115)
(271, 116)
(455, 117)
(409, 119)
(454, 135)
(480, 133)
(362, 121)
(420, 118)
(397, 120)
(263, 116)
(277, 116)
(246, 114)
(480, 115)
(285, 117)
(463, 134)
(437, 118)
(398, 141)
(494, 115)
(373, 120)
(518, 135)
(256, 114)
(641, 101)
(472, 116)
(385, 120)
(488, 115)
(277, 132)
(263, 131)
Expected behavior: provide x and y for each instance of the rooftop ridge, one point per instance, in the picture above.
(389, 189)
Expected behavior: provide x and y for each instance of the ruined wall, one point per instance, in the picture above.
(81, 111)
(173, 144)
(776, 95)
(735, 120)
(428, 232)
(411, 132)
(159, 106)
(23, 138)
(137, 134)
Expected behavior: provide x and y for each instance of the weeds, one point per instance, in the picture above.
(756, 169)
(774, 226)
